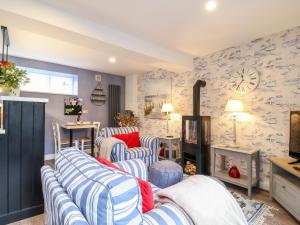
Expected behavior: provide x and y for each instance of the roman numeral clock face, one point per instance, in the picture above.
(244, 80)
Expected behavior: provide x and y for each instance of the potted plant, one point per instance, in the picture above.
(11, 78)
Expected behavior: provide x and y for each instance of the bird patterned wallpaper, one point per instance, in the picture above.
(266, 124)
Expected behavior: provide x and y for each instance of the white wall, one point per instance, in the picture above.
(131, 93)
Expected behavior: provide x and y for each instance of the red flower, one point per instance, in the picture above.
(4, 64)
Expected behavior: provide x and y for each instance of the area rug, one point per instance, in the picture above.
(256, 212)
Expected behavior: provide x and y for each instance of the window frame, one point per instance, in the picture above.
(49, 73)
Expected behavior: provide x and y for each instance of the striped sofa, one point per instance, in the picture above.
(148, 152)
(82, 191)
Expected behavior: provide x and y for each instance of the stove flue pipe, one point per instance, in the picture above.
(196, 96)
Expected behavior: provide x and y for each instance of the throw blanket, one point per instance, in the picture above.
(205, 200)
(107, 146)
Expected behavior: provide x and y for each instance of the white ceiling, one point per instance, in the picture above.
(141, 34)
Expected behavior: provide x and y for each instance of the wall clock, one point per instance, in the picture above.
(244, 80)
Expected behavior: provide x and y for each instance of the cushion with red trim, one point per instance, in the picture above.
(145, 187)
(132, 140)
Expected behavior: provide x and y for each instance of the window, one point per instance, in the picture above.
(44, 81)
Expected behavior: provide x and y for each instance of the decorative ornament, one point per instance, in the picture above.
(98, 96)
(244, 80)
(234, 172)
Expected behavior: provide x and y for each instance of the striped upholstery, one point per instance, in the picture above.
(60, 209)
(150, 142)
(118, 151)
(135, 167)
(155, 190)
(82, 191)
(104, 195)
(167, 214)
(148, 152)
(110, 131)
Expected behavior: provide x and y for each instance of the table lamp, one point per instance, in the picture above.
(167, 108)
(234, 106)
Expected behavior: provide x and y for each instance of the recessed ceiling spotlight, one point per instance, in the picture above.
(211, 5)
(112, 59)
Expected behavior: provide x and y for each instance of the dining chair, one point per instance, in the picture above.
(59, 143)
(85, 142)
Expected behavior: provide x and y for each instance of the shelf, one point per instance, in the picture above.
(97, 99)
(100, 95)
(243, 181)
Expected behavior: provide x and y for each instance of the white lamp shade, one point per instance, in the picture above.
(234, 106)
(167, 108)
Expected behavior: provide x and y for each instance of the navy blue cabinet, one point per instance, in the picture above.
(21, 158)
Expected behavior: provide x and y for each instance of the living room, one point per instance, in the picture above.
(175, 93)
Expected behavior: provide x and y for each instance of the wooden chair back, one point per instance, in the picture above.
(98, 125)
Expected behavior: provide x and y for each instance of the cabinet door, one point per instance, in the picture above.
(21, 158)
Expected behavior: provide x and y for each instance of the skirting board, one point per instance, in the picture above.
(49, 157)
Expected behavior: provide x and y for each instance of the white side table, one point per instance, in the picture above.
(171, 144)
(246, 181)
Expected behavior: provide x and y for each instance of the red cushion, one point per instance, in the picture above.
(145, 187)
(132, 140)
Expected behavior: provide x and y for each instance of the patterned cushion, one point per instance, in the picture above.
(104, 195)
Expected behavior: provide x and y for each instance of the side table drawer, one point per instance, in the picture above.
(287, 194)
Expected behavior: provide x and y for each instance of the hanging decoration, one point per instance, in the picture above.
(98, 96)
(5, 44)
(11, 77)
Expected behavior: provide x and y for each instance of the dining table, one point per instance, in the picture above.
(77, 126)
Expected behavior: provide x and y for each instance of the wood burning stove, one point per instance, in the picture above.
(195, 142)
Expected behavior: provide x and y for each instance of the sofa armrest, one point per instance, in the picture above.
(60, 209)
(117, 149)
(150, 142)
(167, 214)
(135, 167)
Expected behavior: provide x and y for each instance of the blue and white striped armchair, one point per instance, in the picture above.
(148, 152)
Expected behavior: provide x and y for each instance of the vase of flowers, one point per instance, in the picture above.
(11, 78)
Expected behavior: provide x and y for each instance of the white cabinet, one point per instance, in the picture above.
(285, 185)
